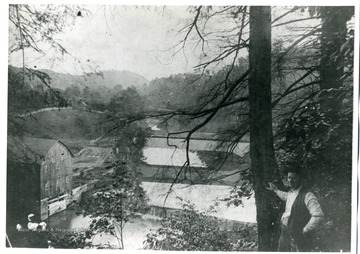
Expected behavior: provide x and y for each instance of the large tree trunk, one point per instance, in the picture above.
(263, 163)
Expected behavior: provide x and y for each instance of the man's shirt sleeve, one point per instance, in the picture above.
(317, 215)
(281, 194)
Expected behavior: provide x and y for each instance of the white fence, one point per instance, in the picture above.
(76, 192)
(58, 204)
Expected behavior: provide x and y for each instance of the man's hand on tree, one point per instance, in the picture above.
(272, 187)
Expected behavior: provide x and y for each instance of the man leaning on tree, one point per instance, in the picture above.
(302, 214)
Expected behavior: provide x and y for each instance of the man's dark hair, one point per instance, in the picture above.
(295, 168)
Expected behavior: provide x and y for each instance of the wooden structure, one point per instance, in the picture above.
(39, 175)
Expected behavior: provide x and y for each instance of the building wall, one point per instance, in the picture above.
(44, 210)
(56, 171)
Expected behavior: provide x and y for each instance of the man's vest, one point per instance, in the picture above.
(299, 216)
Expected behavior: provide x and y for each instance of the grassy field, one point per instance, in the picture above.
(65, 124)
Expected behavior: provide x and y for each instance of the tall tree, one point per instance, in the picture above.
(256, 100)
(263, 163)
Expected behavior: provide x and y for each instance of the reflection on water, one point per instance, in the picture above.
(134, 232)
(68, 219)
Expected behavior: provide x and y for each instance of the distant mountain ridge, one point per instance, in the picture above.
(108, 78)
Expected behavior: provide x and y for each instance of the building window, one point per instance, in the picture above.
(57, 183)
(63, 154)
(47, 185)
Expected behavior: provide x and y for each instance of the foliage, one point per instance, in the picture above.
(129, 142)
(308, 134)
(118, 199)
(302, 87)
(316, 134)
(127, 102)
(46, 21)
(26, 96)
(171, 94)
(30, 239)
(238, 193)
(321, 144)
(192, 230)
(34, 27)
(73, 240)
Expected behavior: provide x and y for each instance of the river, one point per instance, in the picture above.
(202, 196)
(134, 232)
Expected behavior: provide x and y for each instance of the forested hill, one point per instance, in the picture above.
(110, 79)
(65, 124)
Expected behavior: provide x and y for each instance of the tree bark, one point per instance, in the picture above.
(263, 163)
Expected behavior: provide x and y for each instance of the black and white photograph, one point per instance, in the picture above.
(209, 126)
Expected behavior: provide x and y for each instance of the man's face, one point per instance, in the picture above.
(294, 180)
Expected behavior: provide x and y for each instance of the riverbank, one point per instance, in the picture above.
(134, 233)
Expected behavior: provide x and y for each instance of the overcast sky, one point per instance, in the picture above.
(126, 38)
(122, 38)
(139, 39)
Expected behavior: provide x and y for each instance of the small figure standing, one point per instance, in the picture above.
(302, 214)
(32, 225)
(50, 245)
(18, 227)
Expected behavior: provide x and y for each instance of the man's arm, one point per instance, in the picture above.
(317, 215)
(281, 194)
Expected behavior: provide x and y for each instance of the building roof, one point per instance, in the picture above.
(31, 148)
